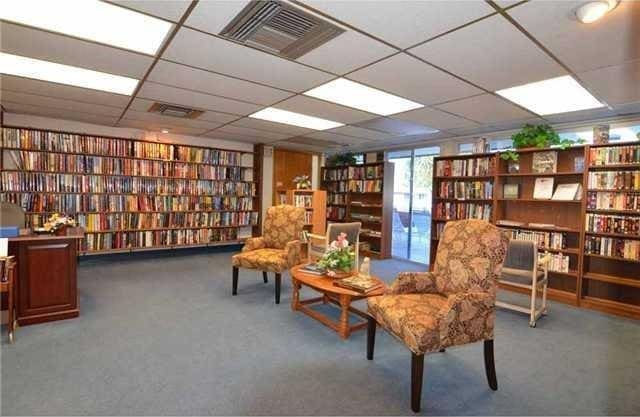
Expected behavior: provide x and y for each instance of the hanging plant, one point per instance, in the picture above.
(536, 136)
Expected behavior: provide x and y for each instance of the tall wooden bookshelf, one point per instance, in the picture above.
(609, 283)
(362, 193)
(315, 204)
(132, 194)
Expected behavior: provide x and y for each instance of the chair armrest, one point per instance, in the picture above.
(293, 250)
(466, 318)
(413, 282)
(253, 243)
(315, 236)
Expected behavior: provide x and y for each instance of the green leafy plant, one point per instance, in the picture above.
(536, 136)
(341, 159)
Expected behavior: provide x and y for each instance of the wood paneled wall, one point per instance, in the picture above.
(286, 166)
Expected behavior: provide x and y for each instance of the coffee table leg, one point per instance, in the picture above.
(295, 299)
(345, 303)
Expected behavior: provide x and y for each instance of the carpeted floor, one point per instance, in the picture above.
(160, 334)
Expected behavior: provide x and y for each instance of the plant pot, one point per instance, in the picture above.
(338, 274)
(61, 231)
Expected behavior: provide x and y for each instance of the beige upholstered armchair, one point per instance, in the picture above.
(277, 250)
(453, 305)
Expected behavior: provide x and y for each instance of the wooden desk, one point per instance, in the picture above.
(47, 281)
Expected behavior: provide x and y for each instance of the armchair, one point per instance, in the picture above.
(277, 250)
(453, 305)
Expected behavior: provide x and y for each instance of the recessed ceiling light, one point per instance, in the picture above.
(556, 95)
(296, 119)
(592, 11)
(65, 74)
(92, 20)
(359, 96)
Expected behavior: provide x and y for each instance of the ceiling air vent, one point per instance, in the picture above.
(175, 111)
(279, 28)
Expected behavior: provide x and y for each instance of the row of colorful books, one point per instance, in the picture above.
(335, 174)
(608, 246)
(607, 223)
(74, 203)
(466, 189)
(365, 186)
(365, 172)
(629, 154)
(303, 200)
(336, 212)
(558, 262)
(548, 240)
(82, 164)
(308, 217)
(336, 198)
(458, 211)
(39, 182)
(601, 200)
(157, 238)
(465, 167)
(85, 144)
(622, 180)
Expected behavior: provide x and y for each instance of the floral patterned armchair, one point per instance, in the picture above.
(453, 305)
(277, 250)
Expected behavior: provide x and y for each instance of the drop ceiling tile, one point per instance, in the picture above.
(26, 85)
(230, 58)
(485, 108)
(59, 113)
(271, 126)
(517, 124)
(166, 9)
(396, 127)
(628, 109)
(492, 54)
(348, 51)
(213, 16)
(323, 109)
(228, 136)
(157, 127)
(612, 40)
(169, 121)
(580, 116)
(302, 147)
(321, 144)
(336, 138)
(468, 131)
(207, 82)
(616, 84)
(143, 105)
(403, 23)
(167, 94)
(44, 101)
(47, 46)
(435, 118)
(411, 78)
(360, 132)
(245, 131)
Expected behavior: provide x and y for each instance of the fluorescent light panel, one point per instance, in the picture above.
(272, 114)
(65, 74)
(92, 20)
(351, 94)
(556, 95)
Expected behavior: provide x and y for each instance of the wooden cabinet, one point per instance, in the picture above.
(47, 279)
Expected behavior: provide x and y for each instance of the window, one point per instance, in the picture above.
(619, 133)
(465, 148)
(500, 144)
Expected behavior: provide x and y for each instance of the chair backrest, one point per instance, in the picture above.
(469, 257)
(521, 254)
(353, 236)
(11, 215)
(282, 224)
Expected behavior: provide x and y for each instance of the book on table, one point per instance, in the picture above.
(359, 283)
(314, 269)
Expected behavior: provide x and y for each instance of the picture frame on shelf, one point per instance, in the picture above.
(545, 162)
(511, 191)
(543, 188)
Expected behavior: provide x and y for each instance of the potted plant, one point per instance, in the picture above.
(535, 136)
(57, 224)
(341, 159)
(302, 182)
(339, 257)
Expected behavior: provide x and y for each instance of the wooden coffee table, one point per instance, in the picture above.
(341, 297)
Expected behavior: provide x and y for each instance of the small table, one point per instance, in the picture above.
(341, 297)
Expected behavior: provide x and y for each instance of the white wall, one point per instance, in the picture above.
(267, 180)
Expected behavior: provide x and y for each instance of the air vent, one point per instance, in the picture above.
(175, 111)
(279, 28)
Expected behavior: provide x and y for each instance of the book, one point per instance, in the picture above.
(566, 191)
(509, 223)
(543, 188)
(545, 162)
(359, 283)
(511, 191)
(314, 269)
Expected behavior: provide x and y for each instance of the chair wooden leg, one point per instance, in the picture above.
(442, 350)
(417, 368)
(234, 284)
(371, 336)
(489, 365)
(265, 277)
(278, 281)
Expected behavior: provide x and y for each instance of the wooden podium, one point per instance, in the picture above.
(47, 281)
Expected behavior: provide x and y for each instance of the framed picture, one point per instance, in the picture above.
(578, 164)
(511, 191)
(545, 162)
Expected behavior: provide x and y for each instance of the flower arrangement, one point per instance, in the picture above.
(58, 222)
(339, 257)
(302, 182)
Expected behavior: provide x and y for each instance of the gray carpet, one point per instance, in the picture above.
(160, 334)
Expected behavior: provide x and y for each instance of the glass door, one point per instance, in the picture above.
(401, 203)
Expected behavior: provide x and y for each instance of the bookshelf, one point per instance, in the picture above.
(594, 240)
(315, 205)
(132, 194)
(362, 193)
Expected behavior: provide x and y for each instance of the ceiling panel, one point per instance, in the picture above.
(166, 9)
(59, 113)
(485, 108)
(302, 147)
(403, 23)
(143, 105)
(32, 43)
(337, 138)
(319, 108)
(26, 85)
(157, 127)
(468, 131)
(44, 101)
(271, 126)
(230, 58)
(628, 109)
(516, 124)
(230, 136)
(317, 143)
(360, 132)
(169, 121)
(207, 82)
(396, 127)
(411, 78)
(213, 16)
(435, 118)
(579, 116)
(260, 134)
(346, 52)
(613, 40)
(167, 94)
(492, 54)
(616, 84)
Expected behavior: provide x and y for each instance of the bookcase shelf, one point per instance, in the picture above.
(315, 204)
(35, 159)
